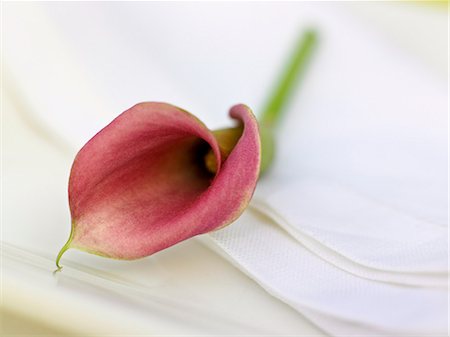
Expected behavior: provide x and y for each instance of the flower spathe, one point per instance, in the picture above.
(145, 183)
(156, 175)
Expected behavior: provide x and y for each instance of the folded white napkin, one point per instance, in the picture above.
(286, 269)
(364, 237)
(356, 239)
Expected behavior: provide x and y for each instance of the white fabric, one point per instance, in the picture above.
(287, 270)
(360, 179)
(358, 234)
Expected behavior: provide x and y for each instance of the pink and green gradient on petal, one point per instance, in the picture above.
(156, 175)
(142, 183)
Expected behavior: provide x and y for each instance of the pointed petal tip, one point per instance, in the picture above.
(66, 246)
(61, 253)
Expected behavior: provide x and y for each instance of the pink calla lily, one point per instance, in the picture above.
(155, 176)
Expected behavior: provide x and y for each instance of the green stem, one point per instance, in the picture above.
(278, 100)
(295, 68)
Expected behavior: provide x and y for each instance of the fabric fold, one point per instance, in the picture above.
(358, 234)
(289, 271)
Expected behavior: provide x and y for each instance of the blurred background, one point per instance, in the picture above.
(370, 112)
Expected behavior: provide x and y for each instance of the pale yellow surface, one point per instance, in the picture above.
(13, 324)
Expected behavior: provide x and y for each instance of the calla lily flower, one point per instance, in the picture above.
(155, 176)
